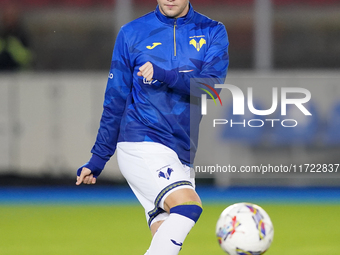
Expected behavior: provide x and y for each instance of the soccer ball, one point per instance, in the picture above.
(244, 229)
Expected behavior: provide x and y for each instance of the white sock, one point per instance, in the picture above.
(170, 236)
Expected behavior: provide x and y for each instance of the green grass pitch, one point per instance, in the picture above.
(112, 229)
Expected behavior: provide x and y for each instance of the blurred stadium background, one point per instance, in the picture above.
(50, 111)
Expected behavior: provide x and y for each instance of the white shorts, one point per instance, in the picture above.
(153, 172)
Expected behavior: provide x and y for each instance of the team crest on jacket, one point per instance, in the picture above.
(165, 175)
(198, 45)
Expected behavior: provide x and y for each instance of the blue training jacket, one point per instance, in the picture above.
(136, 110)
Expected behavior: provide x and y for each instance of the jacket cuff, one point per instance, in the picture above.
(96, 165)
(97, 162)
(165, 76)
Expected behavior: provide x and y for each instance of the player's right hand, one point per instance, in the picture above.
(146, 71)
(86, 177)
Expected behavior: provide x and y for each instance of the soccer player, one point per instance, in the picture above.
(147, 112)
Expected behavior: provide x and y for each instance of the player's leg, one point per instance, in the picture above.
(165, 189)
(181, 196)
(154, 227)
(184, 208)
(176, 198)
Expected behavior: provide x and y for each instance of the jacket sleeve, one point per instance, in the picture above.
(118, 88)
(213, 69)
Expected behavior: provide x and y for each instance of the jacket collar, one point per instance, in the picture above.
(179, 21)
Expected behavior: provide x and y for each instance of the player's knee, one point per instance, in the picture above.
(191, 210)
(179, 197)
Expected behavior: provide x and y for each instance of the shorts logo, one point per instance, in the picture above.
(165, 175)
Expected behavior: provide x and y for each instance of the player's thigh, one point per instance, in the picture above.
(179, 197)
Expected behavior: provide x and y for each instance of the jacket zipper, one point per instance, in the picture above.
(175, 25)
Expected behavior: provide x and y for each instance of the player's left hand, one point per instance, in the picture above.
(146, 71)
(86, 177)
